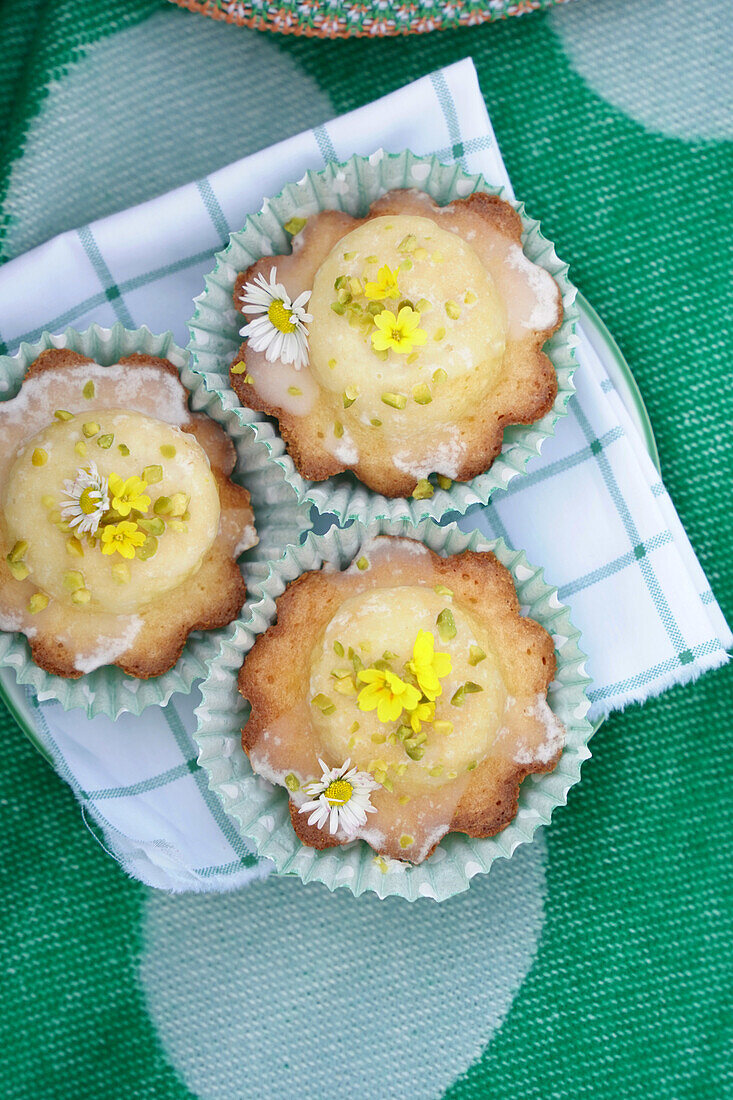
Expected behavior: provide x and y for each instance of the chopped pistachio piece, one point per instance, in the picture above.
(339, 308)
(39, 457)
(179, 503)
(353, 727)
(349, 255)
(72, 580)
(63, 414)
(472, 766)
(439, 334)
(459, 697)
(18, 569)
(238, 368)
(148, 548)
(362, 563)
(405, 303)
(443, 481)
(295, 391)
(443, 727)
(338, 649)
(395, 400)
(292, 227)
(338, 429)
(372, 260)
(249, 379)
(375, 308)
(81, 597)
(123, 449)
(90, 428)
(439, 376)
(423, 490)
(163, 506)
(469, 298)
(152, 474)
(415, 752)
(355, 286)
(89, 390)
(422, 305)
(19, 550)
(436, 771)
(121, 572)
(388, 655)
(292, 782)
(379, 738)
(152, 526)
(324, 704)
(375, 423)
(421, 394)
(381, 864)
(331, 363)
(74, 547)
(340, 282)
(343, 296)
(81, 448)
(105, 441)
(406, 840)
(345, 686)
(403, 799)
(470, 687)
(476, 655)
(177, 525)
(167, 450)
(452, 309)
(443, 590)
(408, 243)
(37, 602)
(350, 395)
(446, 625)
(356, 661)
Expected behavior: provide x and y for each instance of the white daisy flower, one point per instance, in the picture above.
(340, 798)
(88, 500)
(278, 327)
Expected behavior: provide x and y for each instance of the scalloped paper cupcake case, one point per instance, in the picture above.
(279, 519)
(261, 809)
(353, 186)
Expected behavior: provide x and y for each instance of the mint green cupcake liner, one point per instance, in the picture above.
(279, 520)
(261, 809)
(353, 186)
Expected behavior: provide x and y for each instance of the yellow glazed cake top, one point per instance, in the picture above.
(110, 509)
(422, 711)
(405, 315)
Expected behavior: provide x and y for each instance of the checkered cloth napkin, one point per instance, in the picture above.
(593, 510)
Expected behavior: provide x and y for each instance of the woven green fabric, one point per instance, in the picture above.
(620, 957)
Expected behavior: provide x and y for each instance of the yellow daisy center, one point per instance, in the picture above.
(339, 792)
(86, 503)
(280, 317)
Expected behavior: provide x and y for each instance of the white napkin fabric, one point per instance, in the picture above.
(593, 510)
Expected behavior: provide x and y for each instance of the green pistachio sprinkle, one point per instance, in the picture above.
(340, 282)
(407, 264)
(443, 727)
(446, 625)
(168, 450)
(476, 655)
(354, 727)
(338, 429)
(90, 428)
(345, 686)
(394, 400)
(408, 243)
(452, 309)
(121, 572)
(443, 481)
(436, 771)
(81, 448)
(356, 661)
(375, 422)
(405, 303)
(443, 590)
(349, 255)
(459, 697)
(89, 390)
(74, 547)
(123, 449)
(471, 688)
(381, 864)
(355, 286)
(292, 782)
(338, 649)
(39, 457)
(422, 305)
(163, 506)
(472, 766)
(381, 355)
(469, 298)
(375, 308)
(105, 441)
(403, 732)
(152, 475)
(248, 378)
(148, 548)
(338, 307)
(324, 704)
(406, 840)
(439, 376)
(423, 490)
(18, 570)
(372, 260)
(421, 394)
(350, 395)
(413, 357)
(153, 526)
(238, 368)
(37, 602)
(343, 297)
(379, 738)
(439, 334)
(73, 580)
(381, 664)
(420, 253)
(62, 414)
(19, 550)
(81, 597)
(331, 363)
(414, 751)
(292, 227)
(362, 563)
(387, 782)
(295, 391)
(388, 655)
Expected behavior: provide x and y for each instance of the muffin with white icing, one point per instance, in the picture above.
(399, 345)
(401, 699)
(119, 524)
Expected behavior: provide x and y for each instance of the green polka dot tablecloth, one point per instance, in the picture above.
(597, 960)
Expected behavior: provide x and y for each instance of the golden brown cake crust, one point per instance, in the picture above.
(525, 393)
(211, 598)
(277, 667)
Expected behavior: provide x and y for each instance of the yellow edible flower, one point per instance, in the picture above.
(423, 712)
(427, 665)
(128, 496)
(386, 694)
(385, 285)
(122, 537)
(400, 333)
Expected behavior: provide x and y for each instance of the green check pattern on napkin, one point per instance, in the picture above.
(598, 962)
